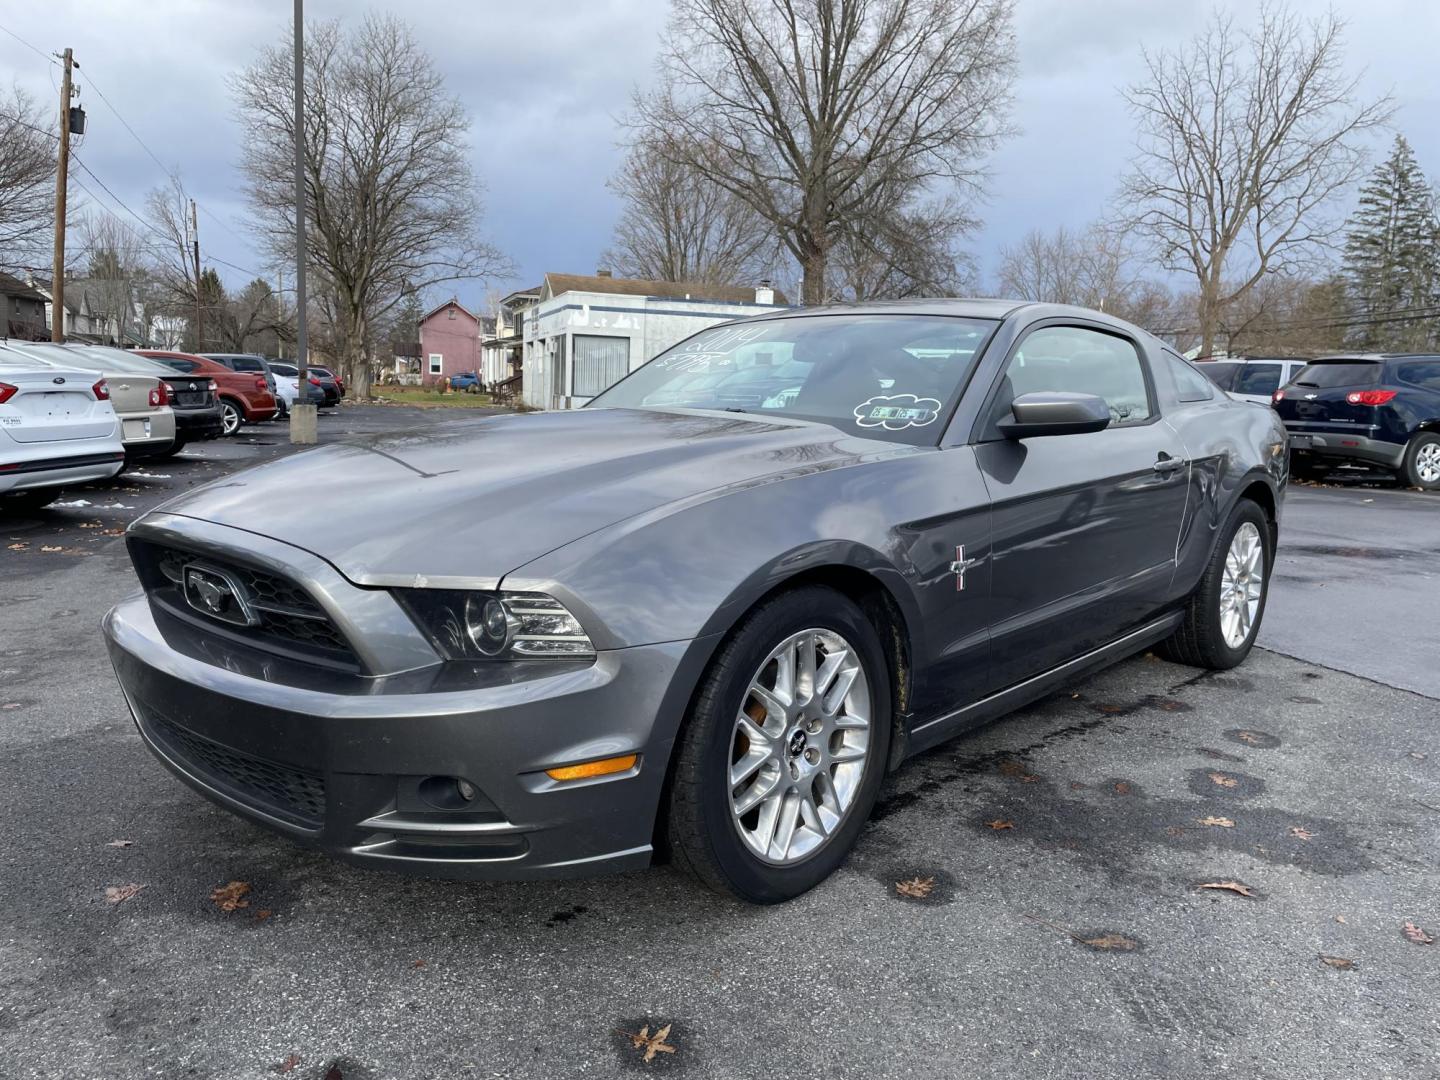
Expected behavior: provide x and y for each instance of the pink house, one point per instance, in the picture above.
(449, 342)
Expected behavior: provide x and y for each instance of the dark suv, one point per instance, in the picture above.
(1376, 409)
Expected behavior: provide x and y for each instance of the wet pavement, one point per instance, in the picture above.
(1155, 872)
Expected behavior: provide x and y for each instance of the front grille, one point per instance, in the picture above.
(289, 619)
(285, 792)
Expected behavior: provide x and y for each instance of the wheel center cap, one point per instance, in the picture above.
(797, 743)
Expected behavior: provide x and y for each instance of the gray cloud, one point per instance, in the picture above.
(545, 84)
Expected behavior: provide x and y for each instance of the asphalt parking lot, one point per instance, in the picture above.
(1058, 915)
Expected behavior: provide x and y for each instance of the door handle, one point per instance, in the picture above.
(1167, 464)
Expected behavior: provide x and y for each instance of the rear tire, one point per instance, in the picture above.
(812, 763)
(175, 448)
(25, 502)
(1421, 467)
(1206, 638)
(231, 418)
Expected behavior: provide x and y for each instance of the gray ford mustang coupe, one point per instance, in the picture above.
(704, 615)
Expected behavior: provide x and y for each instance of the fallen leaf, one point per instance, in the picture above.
(51, 547)
(92, 525)
(1222, 780)
(1299, 833)
(1417, 755)
(419, 964)
(1122, 787)
(263, 914)
(651, 1044)
(229, 897)
(118, 894)
(1000, 823)
(1229, 886)
(288, 1065)
(1338, 962)
(1415, 934)
(1340, 918)
(1017, 770)
(113, 532)
(121, 843)
(18, 547)
(1175, 830)
(1248, 737)
(10, 705)
(1115, 942)
(1076, 785)
(917, 887)
(1219, 822)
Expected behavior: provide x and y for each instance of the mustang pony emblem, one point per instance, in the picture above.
(960, 565)
(215, 593)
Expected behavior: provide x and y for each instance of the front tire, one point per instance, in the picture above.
(782, 758)
(1421, 467)
(1222, 616)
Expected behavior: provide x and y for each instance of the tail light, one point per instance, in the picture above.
(157, 397)
(169, 393)
(1279, 395)
(314, 381)
(260, 383)
(101, 390)
(7, 391)
(1370, 397)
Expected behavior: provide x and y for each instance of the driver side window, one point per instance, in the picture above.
(1076, 360)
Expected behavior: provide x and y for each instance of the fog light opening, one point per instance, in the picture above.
(447, 792)
(590, 769)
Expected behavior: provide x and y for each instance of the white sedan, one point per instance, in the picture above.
(57, 427)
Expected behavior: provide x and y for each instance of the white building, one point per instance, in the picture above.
(584, 333)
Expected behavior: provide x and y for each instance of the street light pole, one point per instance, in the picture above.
(303, 414)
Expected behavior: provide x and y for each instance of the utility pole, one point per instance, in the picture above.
(62, 180)
(199, 309)
(304, 416)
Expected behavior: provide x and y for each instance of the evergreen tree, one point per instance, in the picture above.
(1392, 259)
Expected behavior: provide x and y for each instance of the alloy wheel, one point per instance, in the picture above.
(1427, 463)
(1241, 583)
(229, 418)
(799, 746)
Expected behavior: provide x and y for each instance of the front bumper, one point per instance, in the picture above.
(1346, 445)
(337, 761)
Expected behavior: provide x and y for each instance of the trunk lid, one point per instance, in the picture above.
(51, 405)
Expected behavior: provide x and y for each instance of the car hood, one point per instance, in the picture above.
(470, 501)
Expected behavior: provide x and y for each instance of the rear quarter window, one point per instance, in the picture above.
(1424, 373)
(1190, 385)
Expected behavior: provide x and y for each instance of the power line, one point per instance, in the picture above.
(90, 79)
(38, 52)
(27, 124)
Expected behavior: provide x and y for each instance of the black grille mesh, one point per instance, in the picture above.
(288, 614)
(297, 796)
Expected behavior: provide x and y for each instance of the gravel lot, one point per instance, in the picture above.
(1078, 820)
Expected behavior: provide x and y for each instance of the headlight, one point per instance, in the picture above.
(496, 625)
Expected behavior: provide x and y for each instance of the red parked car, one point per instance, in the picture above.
(244, 396)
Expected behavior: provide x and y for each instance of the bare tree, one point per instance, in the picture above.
(678, 225)
(168, 209)
(1245, 138)
(810, 111)
(909, 248)
(116, 259)
(1091, 267)
(391, 201)
(27, 176)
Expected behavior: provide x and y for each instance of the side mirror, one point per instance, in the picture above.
(1055, 413)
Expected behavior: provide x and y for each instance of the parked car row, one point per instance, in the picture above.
(1381, 410)
(77, 413)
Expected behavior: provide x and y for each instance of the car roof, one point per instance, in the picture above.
(1377, 358)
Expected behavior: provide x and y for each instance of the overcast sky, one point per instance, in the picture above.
(544, 84)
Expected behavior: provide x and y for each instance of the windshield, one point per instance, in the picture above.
(1328, 373)
(893, 377)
